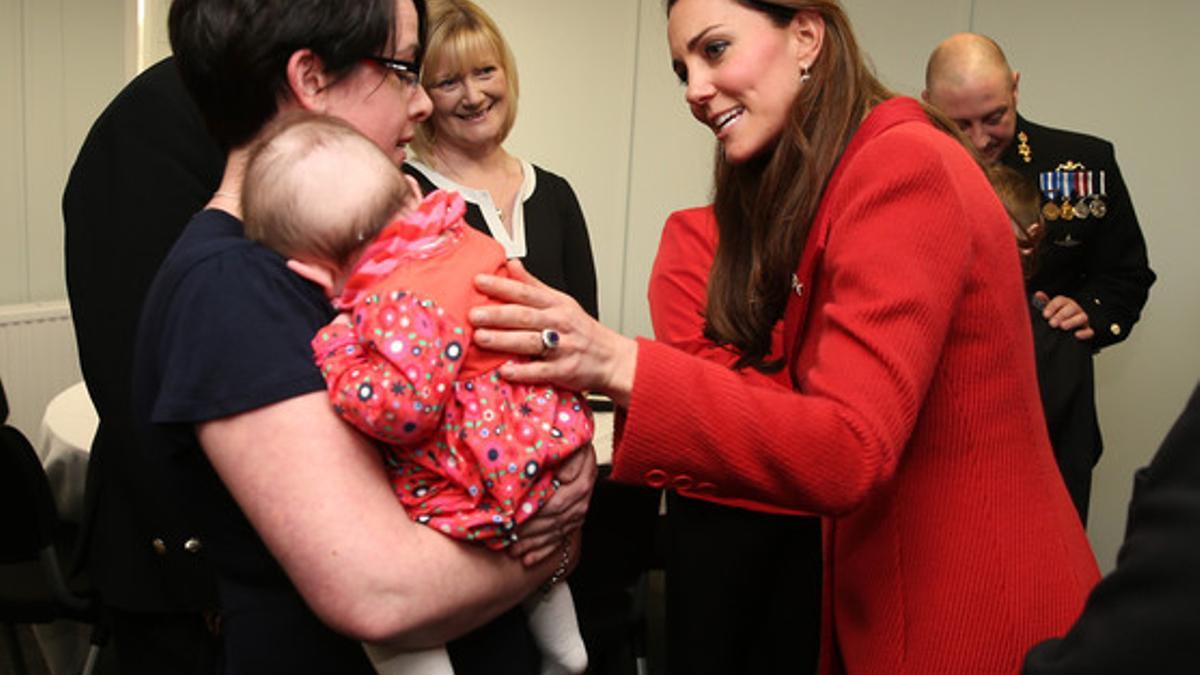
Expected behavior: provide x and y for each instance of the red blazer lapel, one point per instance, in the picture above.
(884, 116)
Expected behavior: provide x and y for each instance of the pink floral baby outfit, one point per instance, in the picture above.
(468, 453)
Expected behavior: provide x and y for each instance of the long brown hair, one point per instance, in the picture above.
(765, 206)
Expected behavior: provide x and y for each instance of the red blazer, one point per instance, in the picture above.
(913, 423)
(678, 293)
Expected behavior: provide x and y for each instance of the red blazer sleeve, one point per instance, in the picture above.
(896, 261)
(678, 291)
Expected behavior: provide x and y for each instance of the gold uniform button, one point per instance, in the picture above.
(192, 545)
(160, 547)
(1115, 329)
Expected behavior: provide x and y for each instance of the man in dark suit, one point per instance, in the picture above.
(1142, 617)
(146, 166)
(1091, 272)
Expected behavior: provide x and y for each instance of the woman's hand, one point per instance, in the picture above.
(588, 356)
(542, 536)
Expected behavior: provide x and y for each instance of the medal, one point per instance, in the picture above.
(1050, 211)
(1082, 179)
(1048, 183)
(1098, 207)
(1067, 209)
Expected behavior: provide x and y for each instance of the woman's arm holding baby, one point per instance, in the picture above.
(315, 491)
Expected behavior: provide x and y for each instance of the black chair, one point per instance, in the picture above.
(33, 589)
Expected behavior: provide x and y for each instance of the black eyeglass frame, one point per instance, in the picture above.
(408, 72)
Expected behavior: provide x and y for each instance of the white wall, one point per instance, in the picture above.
(601, 107)
(60, 62)
(1128, 75)
(576, 61)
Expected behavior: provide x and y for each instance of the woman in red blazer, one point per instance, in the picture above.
(912, 423)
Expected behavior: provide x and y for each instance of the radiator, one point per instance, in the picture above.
(37, 359)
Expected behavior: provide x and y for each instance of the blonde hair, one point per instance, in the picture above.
(318, 190)
(460, 38)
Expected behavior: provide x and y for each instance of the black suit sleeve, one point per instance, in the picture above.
(146, 166)
(1143, 617)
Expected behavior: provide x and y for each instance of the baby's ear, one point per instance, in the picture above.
(321, 275)
(413, 200)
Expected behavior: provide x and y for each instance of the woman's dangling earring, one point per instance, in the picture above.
(805, 76)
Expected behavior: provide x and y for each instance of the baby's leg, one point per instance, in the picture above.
(556, 631)
(389, 661)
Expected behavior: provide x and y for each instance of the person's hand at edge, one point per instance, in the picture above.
(585, 355)
(542, 536)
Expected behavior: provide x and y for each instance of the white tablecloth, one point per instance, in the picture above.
(64, 445)
(602, 437)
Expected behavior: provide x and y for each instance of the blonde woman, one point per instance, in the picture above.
(471, 76)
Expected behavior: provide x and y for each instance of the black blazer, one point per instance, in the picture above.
(146, 166)
(1099, 262)
(1144, 617)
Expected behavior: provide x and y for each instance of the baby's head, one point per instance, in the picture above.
(316, 191)
(1023, 202)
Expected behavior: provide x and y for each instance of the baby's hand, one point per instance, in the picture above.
(342, 319)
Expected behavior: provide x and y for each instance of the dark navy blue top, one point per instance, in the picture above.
(226, 329)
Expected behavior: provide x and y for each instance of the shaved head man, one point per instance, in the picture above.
(969, 79)
(1091, 276)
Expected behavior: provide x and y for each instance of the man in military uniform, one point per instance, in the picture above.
(1091, 277)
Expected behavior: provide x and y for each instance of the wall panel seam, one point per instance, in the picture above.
(633, 120)
(23, 122)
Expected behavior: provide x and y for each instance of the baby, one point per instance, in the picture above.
(466, 452)
(1022, 201)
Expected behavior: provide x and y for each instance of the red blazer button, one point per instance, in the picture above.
(682, 482)
(656, 478)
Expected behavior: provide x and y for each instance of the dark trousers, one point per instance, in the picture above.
(159, 644)
(618, 546)
(743, 590)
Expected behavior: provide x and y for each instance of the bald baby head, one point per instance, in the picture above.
(969, 79)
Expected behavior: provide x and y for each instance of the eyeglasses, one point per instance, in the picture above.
(407, 72)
